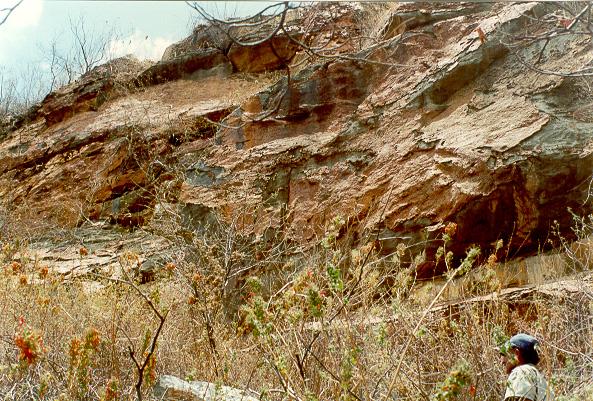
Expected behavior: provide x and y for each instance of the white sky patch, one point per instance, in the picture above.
(27, 14)
(140, 45)
(22, 20)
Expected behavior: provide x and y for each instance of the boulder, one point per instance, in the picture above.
(171, 388)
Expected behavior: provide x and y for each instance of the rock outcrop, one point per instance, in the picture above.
(171, 388)
(94, 88)
(196, 65)
(96, 251)
(441, 123)
(461, 132)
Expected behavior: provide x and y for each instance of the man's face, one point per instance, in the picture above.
(509, 360)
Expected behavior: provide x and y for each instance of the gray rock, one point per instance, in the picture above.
(171, 388)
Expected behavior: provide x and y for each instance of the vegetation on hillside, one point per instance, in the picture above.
(338, 318)
(330, 322)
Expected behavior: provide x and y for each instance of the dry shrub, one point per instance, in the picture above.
(331, 322)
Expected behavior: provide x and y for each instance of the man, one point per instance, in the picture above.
(525, 382)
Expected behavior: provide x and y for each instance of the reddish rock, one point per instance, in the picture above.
(203, 37)
(195, 65)
(469, 139)
(271, 55)
(454, 130)
(90, 91)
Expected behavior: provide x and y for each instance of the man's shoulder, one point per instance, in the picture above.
(522, 383)
(526, 367)
(524, 370)
(526, 382)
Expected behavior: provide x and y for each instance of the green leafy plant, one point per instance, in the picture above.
(454, 383)
(82, 352)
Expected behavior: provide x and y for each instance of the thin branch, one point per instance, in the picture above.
(368, 51)
(333, 376)
(355, 285)
(427, 310)
(578, 17)
(585, 72)
(541, 52)
(217, 23)
(237, 22)
(161, 316)
(8, 11)
(560, 27)
(133, 356)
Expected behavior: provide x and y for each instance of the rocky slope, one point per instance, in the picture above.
(441, 124)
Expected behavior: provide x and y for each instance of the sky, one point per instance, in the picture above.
(144, 28)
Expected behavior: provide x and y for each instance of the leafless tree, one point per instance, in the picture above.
(87, 49)
(5, 12)
(90, 48)
(19, 90)
(7, 93)
(66, 60)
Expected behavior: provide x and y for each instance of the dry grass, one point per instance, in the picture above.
(326, 324)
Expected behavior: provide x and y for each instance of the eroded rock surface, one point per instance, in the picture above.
(90, 91)
(95, 251)
(445, 126)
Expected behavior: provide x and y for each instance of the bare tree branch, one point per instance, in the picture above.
(90, 49)
(566, 20)
(162, 316)
(303, 38)
(8, 11)
(226, 26)
(237, 22)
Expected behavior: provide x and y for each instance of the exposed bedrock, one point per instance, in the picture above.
(89, 92)
(317, 98)
(444, 125)
(472, 138)
(194, 65)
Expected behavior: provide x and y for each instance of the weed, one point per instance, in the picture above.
(29, 343)
(336, 322)
(454, 383)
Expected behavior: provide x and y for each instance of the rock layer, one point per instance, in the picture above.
(443, 124)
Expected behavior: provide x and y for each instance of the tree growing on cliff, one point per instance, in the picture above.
(66, 60)
(7, 85)
(88, 49)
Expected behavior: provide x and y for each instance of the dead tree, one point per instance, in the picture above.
(89, 49)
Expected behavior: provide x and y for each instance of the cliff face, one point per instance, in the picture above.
(444, 125)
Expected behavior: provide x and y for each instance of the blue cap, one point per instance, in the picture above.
(523, 342)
